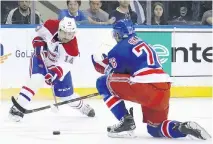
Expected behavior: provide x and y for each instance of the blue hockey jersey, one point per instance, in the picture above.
(135, 57)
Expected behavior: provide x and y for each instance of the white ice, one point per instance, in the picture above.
(37, 128)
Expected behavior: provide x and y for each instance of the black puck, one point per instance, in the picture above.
(56, 132)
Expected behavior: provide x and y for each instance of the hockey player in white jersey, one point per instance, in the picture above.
(56, 47)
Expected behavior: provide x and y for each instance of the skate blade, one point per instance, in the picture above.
(204, 134)
(14, 118)
(125, 134)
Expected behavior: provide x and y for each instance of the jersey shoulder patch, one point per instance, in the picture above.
(71, 47)
(134, 40)
(52, 26)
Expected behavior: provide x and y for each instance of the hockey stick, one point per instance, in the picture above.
(26, 111)
(52, 86)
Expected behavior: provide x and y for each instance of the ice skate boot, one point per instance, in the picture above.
(15, 114)
(87, 110)
(125, 128)
(193, 129)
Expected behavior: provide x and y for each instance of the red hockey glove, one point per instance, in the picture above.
(40, 47)
(54, 73)
(100, 65)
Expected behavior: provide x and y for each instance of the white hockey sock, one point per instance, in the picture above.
(28, 91)
(76, 104)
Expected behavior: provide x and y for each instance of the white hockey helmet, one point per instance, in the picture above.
(67, 29)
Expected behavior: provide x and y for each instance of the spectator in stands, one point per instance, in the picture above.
(196, 8)
(124, 12)
(96, 15)
(137, 7)
(72, 11)
(175, 8)
(158, 18)
(182, 19)
(22, 14)
(207, 18)
(109, 6)
(6, 7)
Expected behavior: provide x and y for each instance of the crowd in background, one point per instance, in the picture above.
(107, 12)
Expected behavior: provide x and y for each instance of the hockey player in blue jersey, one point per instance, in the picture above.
(132, 71)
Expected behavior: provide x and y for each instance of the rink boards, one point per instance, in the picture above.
(184, 52)
(176, 92)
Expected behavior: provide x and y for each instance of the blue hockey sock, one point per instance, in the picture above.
(165, 129)
(116, 105)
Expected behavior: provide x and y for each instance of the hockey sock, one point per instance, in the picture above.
(25, 95)
(116, 105)
(30, 89)
(165, 129)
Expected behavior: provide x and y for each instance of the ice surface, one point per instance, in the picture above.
(75, 128)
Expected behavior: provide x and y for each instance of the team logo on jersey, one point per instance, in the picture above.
(162, 52)
(113, 62)
(3, 56)
(134, 40)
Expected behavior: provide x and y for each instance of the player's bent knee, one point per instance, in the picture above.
(153, 131)
(102, 86)
(35, 82)
(101, 83)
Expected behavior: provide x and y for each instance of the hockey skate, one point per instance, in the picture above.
(125, 128)
(87, 110)
(15, 114)
(193, 129)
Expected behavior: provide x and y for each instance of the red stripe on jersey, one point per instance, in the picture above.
(151, 57)
(137, 48)
(111, 101)
(165, 129)
(28, 89)
(152, 71)
(147, 49)
(71, 47)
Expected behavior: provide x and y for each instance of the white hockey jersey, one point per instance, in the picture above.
(60, 54)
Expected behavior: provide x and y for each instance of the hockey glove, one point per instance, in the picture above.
(100, 65)
(40, 47)
(54, 73)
